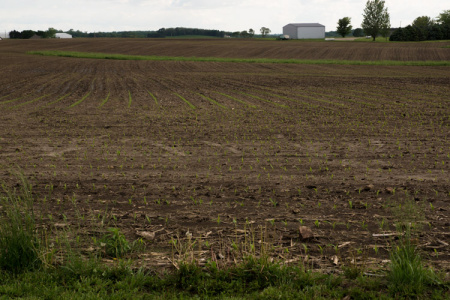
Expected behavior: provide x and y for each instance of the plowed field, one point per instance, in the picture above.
(233, 152)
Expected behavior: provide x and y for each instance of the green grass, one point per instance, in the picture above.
(239, 60)
(153, 96)
(19, 241)
(192, 37)
(79, 101)
(254, 278)
(187, 102)
(212, 101)
(378, 39)
(407, 275)
(129, 99)
(104, 101)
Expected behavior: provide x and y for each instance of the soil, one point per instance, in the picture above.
(233, 152)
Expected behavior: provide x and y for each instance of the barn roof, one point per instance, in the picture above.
(306, 24)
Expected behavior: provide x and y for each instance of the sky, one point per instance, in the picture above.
(227, 15)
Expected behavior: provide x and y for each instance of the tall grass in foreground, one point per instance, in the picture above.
(407, 274)
(19, 242)
(258, 275)
(239, 60)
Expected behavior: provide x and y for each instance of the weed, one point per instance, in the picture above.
(407, 275)
(115, 244)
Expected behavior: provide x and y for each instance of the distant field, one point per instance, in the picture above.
(237, 48)
(216, 151)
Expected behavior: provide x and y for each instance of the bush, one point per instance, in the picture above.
(415, 33)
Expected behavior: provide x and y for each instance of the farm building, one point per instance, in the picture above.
(304, 30)
(63, 35)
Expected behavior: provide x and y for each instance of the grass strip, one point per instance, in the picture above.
(182, 98)
(5, 96)
(153, 96)
(9, 101)
(57, 100)
(79, 101)
(235, 99)
(129, 99)
(104, 101)
(94, 55)
(212, 101)
(28, 102)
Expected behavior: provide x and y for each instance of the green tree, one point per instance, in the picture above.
(251, 32)
(423, 22)
(376, 18)
(244, 34)
(15, 34)
(26, 34)
(51, 32)
(358, 32)
(344, 26)
(264, 31)
(444, 17)
(235, 34)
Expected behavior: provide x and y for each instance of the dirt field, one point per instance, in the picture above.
(227, 150)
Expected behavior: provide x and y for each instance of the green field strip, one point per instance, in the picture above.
(57, 100)
(237, 100)
(104, 101)
(94, 55)
(129, 99)
(187, 102)
(5, 96)
(10, 101)
(153, 96)
(29, 102)
(79, 101)
(213, 101)
(265, 100)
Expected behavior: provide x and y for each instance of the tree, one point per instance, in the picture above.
(15, 34)
(358, 32)
(264, 31)
(376, 18)
(245, 34)
(444, 17)
(251, 32)
(423, 22)
(344, 26)
(26, 34)
(51, 32)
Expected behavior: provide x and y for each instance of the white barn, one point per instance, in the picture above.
(63, 35)
(304, 30)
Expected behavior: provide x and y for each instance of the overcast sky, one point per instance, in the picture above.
(228, 15)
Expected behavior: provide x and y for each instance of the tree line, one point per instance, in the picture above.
(27, 34)
(425, 28)
(376, 22)
(160, 33)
